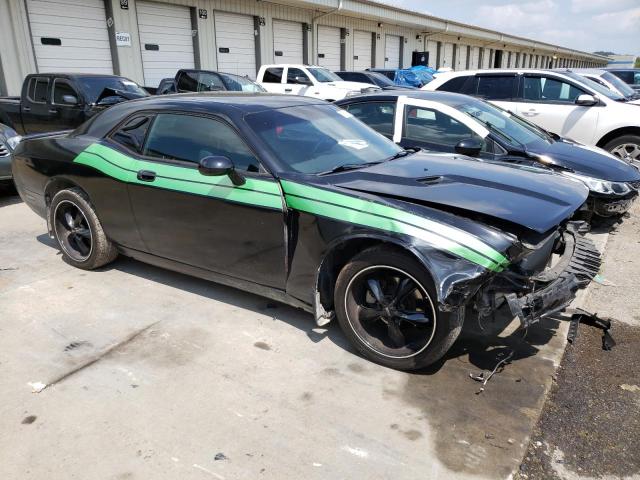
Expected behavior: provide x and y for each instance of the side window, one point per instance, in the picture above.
(131, 135)
(462, 84)
(496, 87)
(297, 76)
(190, 138)
(272, 75)
(546, 89)
(61, 89)
(378, 115)
(426, 125)
(188, 82)
(37, 90)
(210, 82)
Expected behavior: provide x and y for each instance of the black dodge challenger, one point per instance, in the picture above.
(295, 199)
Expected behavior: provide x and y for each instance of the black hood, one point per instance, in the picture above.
(530, 198)
(585, 160)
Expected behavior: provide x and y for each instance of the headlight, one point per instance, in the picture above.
(13, 141)
(601, 186)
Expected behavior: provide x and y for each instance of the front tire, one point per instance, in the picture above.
(625, 147)
(78, 231)
(386, 305)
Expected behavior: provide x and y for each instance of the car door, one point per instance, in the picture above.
(274, 80)
(298, 82)
(66, 107)
(549, 102)
(207, 221)
(437, 127)
(36, 105)
(500, 89)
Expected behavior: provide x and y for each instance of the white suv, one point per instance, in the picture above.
(560, 102)
(310, 81)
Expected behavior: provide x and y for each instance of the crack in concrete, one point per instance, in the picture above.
(98, 357)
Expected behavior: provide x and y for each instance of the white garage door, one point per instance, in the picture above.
(432, 48)
(236, 44)
(287, 41)
(70, 36)
(461, 57)
(475, 57)
(361, 50)
(392, 51)
(166, 40)
(329, 47)
(447, 55)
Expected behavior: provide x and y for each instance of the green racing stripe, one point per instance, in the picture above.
(264, 193)
(368, 213)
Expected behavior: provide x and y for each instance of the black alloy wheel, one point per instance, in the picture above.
(73, 231)
(390, 311)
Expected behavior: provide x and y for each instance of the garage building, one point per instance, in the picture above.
(148, 40)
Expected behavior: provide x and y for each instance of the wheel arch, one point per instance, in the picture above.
(340, 252)
(57, 183)
(618, 132)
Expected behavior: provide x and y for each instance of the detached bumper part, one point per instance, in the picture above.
(576, 268)
(608, 208)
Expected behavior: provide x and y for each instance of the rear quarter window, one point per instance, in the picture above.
(272, 75)
(496, 87)
(464, 84)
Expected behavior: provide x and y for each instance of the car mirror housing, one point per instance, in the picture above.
(469, 146)
(586, 100)
(70, 99)
(215, 166)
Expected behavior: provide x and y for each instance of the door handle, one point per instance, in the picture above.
(530, 113)
(287, 89)
(53, 110)
(26, 109)
(146, 175)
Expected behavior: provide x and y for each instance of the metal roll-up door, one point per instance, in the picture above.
(70, 36)
(392, 51)
(475, 57)
(432, 48)
(447, 55)
(362, 50)
(461, 57)
(486, 58)
(287, 42)
(329, 47)
(236, 43)
(166, 40)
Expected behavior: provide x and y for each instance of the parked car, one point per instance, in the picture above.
(405, 77)
(610, 81)
(450, 122)
(309, 206)
(374, 78)
(561, 103)
(309, 81)
(189, 80)
(8, 140)
(61, 101)
(630, 76)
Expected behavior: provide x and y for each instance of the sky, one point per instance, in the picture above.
(587, 25)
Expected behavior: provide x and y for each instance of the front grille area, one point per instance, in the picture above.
(4, 151)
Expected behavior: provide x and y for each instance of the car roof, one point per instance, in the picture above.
(393, 95)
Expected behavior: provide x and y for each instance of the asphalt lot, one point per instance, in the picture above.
(153, 374)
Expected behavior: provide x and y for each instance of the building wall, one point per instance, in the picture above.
(17, 54)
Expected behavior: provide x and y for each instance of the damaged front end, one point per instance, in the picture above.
(545, 279)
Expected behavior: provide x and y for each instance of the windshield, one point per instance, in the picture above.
(510, 128)
(94, 86)
(318, 138)
(323, 75)
(594, 86)
(240, 84)
(382, 80)
(622, 87)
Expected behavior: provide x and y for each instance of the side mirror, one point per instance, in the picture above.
(70, 99)
(585, 100)
(108, 101)
(216, 166)
(469, 146)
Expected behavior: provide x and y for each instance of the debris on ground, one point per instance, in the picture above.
(220, 456)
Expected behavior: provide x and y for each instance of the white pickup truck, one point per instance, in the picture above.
(309, 81)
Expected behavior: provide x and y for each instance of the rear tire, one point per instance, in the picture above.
(625, 147)
(78, 231)
(386, 305)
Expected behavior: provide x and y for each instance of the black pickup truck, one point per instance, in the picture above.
(60, 101)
